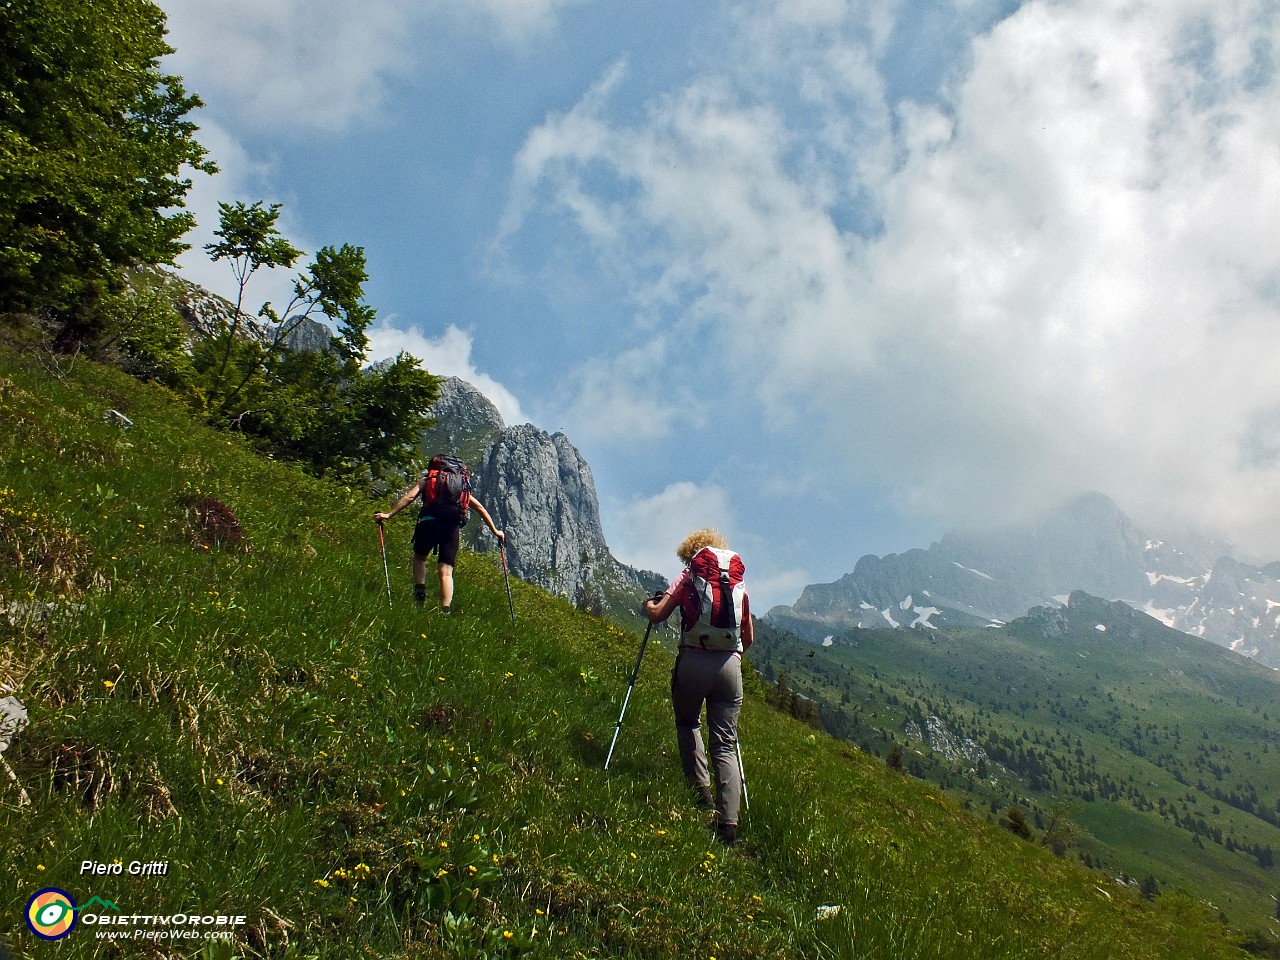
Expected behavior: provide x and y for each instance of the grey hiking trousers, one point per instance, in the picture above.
(713, 676)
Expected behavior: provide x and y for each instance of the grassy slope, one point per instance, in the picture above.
(365, 779)
(1144, 710)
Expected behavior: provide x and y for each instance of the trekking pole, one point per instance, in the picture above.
(742, 775)
(383, 541)
(630, 686)
(502, 549)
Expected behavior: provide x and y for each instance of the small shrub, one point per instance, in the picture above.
(214, 524)
(1015, 821)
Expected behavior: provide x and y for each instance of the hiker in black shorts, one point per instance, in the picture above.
(439, 528)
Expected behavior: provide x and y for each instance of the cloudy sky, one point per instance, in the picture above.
(832, 276)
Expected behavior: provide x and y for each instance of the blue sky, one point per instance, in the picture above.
(832, 276)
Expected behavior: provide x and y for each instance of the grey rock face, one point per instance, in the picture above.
(208, 314)
(467, 424)
(13, 720)
(305, 335)
(544, 495)
(939, 738)
(539, 490)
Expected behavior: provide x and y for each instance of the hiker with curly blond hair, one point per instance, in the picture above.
(716, 629)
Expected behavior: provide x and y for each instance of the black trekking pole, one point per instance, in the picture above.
(502, 549)
(383, 541)
(742, 774)
(630, 686)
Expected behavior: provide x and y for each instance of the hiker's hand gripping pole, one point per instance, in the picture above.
(630, 686)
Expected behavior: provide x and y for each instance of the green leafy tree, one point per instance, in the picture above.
(95, 148)
(322, 408)
(249, 240)
(1015, 821)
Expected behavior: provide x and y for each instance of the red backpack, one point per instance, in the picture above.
(447, 481)
(711, 614)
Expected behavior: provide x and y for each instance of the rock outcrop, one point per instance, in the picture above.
(540, 491)
(207, 315)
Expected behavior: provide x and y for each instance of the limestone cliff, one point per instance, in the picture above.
(540, 491)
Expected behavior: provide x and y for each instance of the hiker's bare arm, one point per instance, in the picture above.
(748, 630)
(658, 610)
(403, 502)
(484, 514)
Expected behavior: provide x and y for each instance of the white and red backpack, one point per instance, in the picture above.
(711, 613)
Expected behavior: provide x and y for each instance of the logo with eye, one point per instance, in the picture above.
(51, 914)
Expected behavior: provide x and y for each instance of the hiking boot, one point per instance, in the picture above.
(419, 593)
(728, 833)
(446, 611)
(704, 799)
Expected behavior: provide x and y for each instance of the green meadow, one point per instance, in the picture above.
(1132, 748)
(217, 681)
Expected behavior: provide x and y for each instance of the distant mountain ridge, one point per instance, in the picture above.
(1087, 544)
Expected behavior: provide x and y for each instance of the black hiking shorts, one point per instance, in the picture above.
(439, 535)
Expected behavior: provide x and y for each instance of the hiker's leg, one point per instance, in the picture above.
(446, 584)
(419, 577)
(724, 703)
(686, 699)
(423, 545)
(448, 555)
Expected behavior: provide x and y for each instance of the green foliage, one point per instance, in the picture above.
(248, 238)
(93, 144)
(363, 779)
(142, 332)
(320, 408)
(1015, 821)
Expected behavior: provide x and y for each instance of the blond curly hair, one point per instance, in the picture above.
(706, 537)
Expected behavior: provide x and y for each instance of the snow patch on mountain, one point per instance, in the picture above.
(922, 617)
(985, 576)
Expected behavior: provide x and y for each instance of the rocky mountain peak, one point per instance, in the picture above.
(467, 423)
(539, 489)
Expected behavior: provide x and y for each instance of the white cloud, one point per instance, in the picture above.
(292, 64)
(1061, 276)
(448, 355)
(240, 177)
(622, 400)
(645, 532)
(515, 19)
(325, 64)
